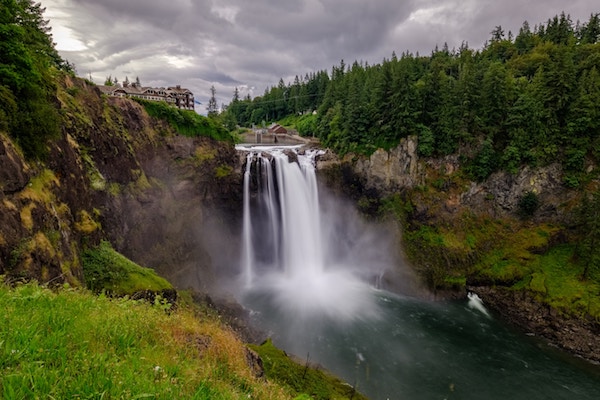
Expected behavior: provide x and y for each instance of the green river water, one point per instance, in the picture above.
(415, 350)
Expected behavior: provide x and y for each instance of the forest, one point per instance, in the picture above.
(28, 60)
(527, 99)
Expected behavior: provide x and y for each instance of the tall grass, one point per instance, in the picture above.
(75, 345)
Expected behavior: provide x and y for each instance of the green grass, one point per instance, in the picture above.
(75, 345)
(107, 270)
(557, 280)
(306, 382)
(514, 253)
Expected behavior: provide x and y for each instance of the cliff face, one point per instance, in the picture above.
(117, 174)
(401, 170)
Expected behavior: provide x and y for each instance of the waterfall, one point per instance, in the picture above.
(247, 254)
(283, 244)
(282, 229)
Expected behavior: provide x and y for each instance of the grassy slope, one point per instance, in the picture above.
(73, 344)
(107, 270)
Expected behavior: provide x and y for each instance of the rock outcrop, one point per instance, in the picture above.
(393, 170)
(14, 174)
(401, 169)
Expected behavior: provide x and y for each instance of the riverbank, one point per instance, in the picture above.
(578, 336)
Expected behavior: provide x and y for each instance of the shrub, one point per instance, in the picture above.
(426, 141)
(485, 162)
(528, 204)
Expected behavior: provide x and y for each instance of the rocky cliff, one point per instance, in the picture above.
(400, 169)
(117, 174)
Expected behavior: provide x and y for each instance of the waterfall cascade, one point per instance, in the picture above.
(285, 251)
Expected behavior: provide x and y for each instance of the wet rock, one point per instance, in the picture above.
(392, 170)
(292, 156)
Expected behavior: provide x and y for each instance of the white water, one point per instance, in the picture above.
(247, 254)
(285, 251)
(476, 303)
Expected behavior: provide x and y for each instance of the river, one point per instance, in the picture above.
(415, 349)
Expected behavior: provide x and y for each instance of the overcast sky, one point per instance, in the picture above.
(252, 43)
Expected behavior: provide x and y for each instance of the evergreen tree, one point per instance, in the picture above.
(590, 32)
(468, 95)
(496, 99)
(525, 40)
(559, 30)
(405, 110)
(588, 224)
(526, 129)
(27, 57)
(212, 108)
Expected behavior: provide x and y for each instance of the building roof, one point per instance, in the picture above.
(277, 128)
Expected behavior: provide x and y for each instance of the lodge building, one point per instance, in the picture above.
(174, 95)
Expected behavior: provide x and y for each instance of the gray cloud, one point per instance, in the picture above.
(229, 43)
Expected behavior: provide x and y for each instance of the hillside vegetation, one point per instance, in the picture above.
(188, 123)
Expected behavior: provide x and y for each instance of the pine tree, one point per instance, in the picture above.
(212, 108)
(27, 55)
(590, 32)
